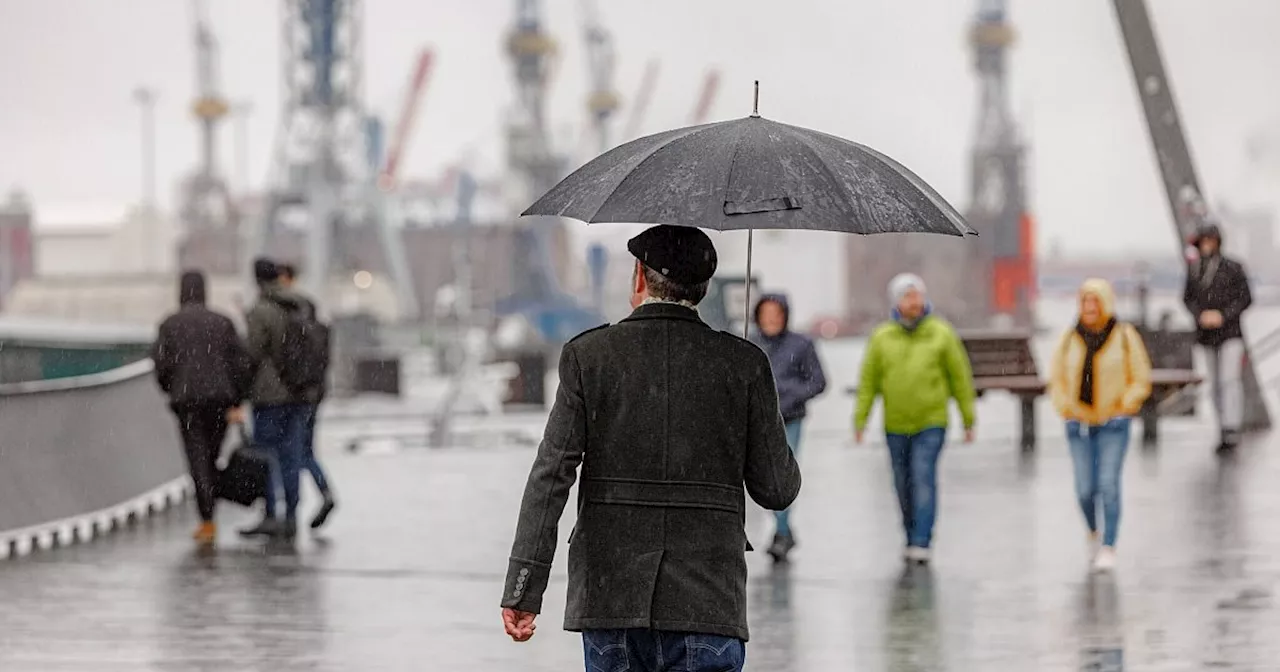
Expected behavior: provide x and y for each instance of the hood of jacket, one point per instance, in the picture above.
(191, 289)
(1101, 290)
(781, 300)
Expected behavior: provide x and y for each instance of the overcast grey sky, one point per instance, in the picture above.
(895, 75)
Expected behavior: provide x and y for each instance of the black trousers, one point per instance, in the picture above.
(203, 428)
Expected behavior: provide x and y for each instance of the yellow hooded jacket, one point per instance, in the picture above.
(1121, 369)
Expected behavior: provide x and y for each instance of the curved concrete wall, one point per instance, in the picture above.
(84, 455)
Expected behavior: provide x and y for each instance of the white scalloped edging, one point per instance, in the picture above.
(88, 526)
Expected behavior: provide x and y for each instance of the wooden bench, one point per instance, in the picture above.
(1003, 361)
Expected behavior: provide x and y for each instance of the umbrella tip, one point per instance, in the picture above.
(755, 104)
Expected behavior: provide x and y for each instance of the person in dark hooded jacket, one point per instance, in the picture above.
(203, 367)
(1217, 294)
(798, 375)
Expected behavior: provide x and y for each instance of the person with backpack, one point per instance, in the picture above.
(283, 344)
(204, 369)
(1099, 378)
(288, 279)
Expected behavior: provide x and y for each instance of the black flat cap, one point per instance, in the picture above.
(682, 253)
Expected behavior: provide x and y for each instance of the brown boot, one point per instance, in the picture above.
(206, 534)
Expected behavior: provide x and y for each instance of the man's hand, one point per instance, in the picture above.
(969, 435)
(518, 624)
(1211, 319)
(235, 415)
(857, 436)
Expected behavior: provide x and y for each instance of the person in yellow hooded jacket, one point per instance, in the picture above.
(1099, 379)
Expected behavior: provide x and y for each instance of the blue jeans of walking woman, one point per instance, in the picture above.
(783, 518)
(915, 477)
(1098, 454)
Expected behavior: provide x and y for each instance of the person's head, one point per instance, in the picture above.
(1209, 240)
(772, 314)
(288, 274)
(908, 296)
(673, 263)
(265, 271)
(191, 289)
(1097, 303)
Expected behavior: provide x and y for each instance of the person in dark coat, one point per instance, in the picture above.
(204, 368)
(280, 416)
(311, 465)
(799, 378)
(1217, 294)
(670, 420)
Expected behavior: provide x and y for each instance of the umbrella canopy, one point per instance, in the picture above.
(752, 173)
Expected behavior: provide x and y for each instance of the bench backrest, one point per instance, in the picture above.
(999, 354)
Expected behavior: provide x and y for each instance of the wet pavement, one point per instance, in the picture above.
(409, 575)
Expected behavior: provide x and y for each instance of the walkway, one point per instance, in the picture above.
(409, 576)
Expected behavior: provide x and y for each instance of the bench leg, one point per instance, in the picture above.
(1028, 414)
(1150, 423)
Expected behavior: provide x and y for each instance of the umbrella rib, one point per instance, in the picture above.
(962, 227)
(690, 131)
(804, 140)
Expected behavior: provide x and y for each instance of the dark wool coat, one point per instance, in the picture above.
(669, 419)
(1224, 288)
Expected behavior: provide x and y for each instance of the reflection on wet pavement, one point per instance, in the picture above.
(409, 576)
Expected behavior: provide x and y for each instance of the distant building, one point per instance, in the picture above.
(83, 242)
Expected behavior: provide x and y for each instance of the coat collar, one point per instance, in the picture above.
(664, 311)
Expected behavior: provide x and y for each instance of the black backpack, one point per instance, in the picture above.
(303, 359)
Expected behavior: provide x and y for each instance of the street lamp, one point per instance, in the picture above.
(241, 112)
(145, 97)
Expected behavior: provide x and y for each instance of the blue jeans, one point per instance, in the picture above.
(639, 649)
(282, 430)
(915, 477)
(1098, 453)
(309, 462)
(783, 517)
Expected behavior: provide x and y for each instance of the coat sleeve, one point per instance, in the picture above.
(547, 490)
(1191, 294)
(1137, 373)
(162, 353)
(1058, 392)
(772, 475)
(868, 384)
(240, 364)
(812, 376)
(1241, 296)
(960, 378)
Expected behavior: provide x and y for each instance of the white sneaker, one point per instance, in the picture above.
(916, 554)
(1105, 561)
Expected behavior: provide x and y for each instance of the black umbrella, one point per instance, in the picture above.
(751, 173)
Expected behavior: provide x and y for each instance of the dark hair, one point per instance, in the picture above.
(287, 270)
(661, 287)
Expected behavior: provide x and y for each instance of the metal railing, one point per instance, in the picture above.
(83, 456)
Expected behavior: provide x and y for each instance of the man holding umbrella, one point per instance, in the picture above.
(672, 423)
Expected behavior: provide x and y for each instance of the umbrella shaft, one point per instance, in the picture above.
(746, 307)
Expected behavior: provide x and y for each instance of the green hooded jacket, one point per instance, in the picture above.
(917, 371)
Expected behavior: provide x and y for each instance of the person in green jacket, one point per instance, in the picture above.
(917, 363)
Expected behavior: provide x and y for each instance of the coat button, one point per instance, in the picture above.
(517, 594)
(524, 571)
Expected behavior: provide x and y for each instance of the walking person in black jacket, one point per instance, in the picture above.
(1217, 294)
(288, 279)
(799, 377)
(673, 424)
(202, 365)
